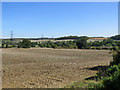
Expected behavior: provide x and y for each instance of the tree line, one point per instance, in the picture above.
(79, 42)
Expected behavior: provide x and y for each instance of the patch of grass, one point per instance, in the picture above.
(81, 84)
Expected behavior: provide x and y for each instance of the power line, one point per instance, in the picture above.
(11, 34)
(52, 36)
(42, 37)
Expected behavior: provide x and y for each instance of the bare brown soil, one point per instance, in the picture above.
(49, 68)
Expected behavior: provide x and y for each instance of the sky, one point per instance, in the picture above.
(57, 19)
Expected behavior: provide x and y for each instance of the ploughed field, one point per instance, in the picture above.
(49, 68)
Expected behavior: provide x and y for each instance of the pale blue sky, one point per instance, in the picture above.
(59, 19)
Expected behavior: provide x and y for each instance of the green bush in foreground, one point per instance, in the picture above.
(112, 80)
(111, 77)
(116, 59)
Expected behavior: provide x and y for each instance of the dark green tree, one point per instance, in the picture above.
(116, 37)
(54, 46)
(81, 42)
(26, 43)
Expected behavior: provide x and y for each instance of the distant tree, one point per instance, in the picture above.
(67, 37)
(41, 45)
(54, 46)
(6, 45)
(81, 42)
(116, 37)
(26, 43)
(33, 44)
(96, 43)
(14, 45)
(48, 46)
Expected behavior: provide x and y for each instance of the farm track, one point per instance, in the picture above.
(49, 68)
